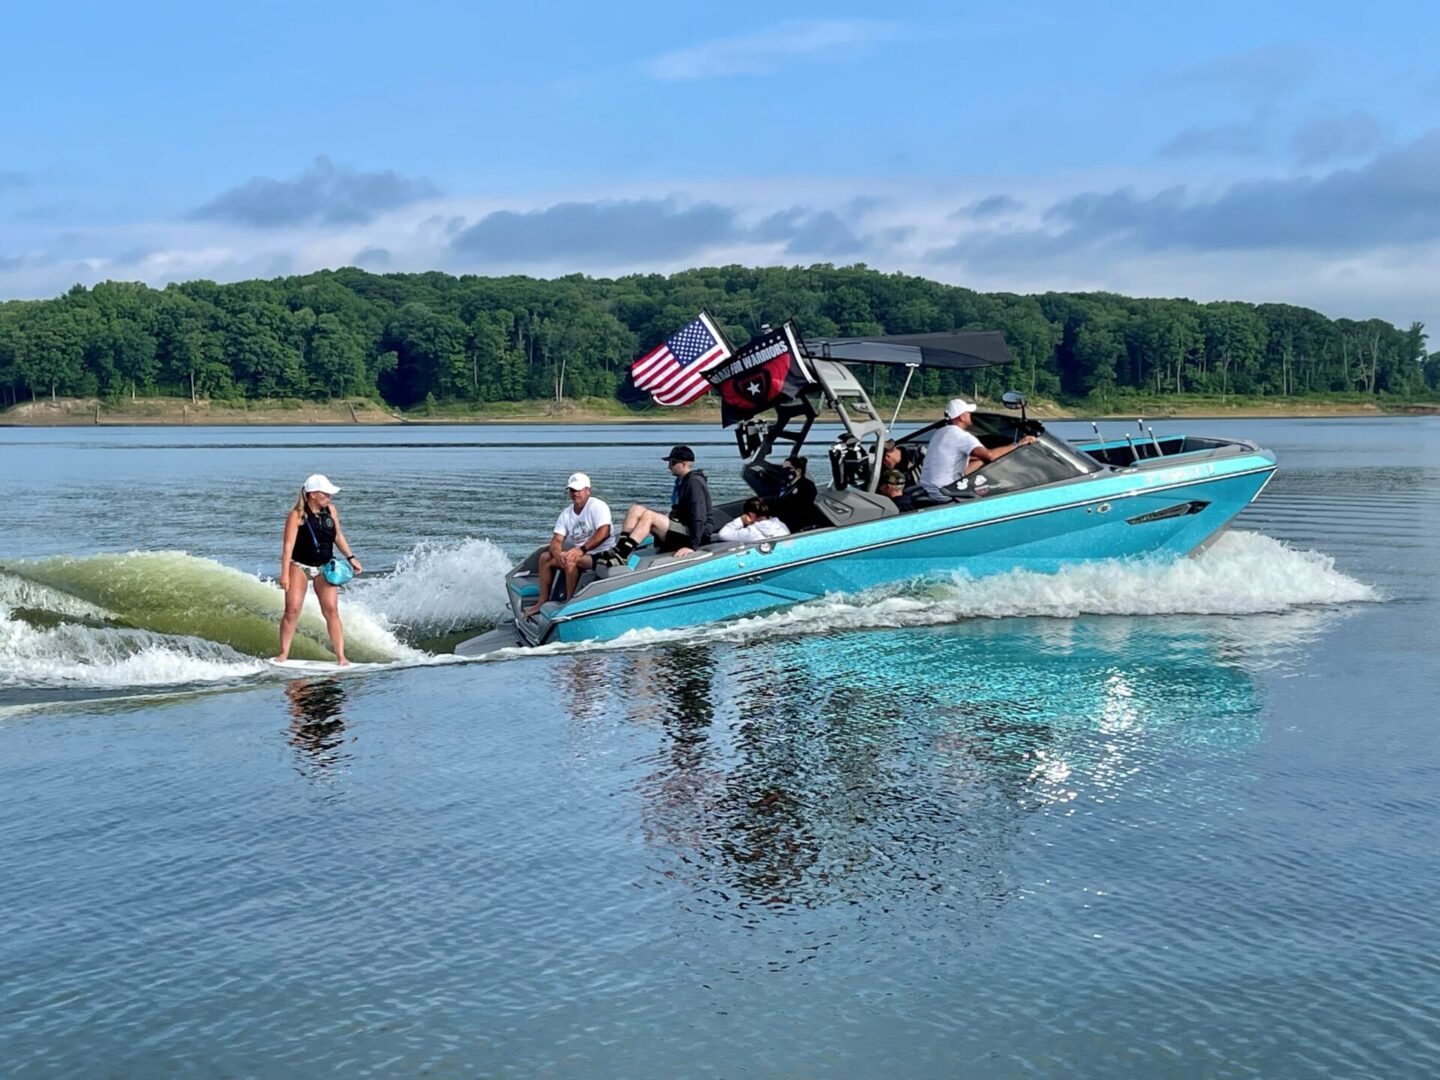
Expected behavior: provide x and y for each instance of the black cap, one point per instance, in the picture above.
(680, 453)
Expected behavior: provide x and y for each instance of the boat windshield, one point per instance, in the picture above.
(1043, 462)
(1047, 461)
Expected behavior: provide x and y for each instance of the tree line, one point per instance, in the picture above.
(409, 339)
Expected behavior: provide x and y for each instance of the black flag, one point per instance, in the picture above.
(770, 369)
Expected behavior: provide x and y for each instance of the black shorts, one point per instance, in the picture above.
(676, 537)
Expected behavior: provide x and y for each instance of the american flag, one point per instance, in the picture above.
(674, 373)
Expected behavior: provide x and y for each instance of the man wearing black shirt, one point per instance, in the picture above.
(687, 526)
(795, 505)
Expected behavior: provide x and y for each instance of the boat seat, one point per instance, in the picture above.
(647, 558)
(919, 497)
(853, 505)
(531, 588)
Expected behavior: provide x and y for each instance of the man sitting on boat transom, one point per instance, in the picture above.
(687, 526)
(582, 532)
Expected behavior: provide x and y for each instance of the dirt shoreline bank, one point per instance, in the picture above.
(169, 412)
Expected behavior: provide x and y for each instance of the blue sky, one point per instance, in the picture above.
(1256, 151)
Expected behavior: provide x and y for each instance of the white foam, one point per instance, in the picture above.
(76, 655)
(1243, 574)
(437, 588)
(441, 587)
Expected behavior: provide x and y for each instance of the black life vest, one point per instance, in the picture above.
(315, 539)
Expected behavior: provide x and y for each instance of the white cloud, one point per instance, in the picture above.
(1337, 138)
(1257, 76)
(1247, 139)
(889, 225)
(324, 193)
(764, 52)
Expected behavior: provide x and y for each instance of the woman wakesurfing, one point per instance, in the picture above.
(312, 532)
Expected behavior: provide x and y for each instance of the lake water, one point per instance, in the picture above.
(1124, 821)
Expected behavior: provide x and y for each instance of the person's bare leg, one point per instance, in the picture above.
(632, 516)
(294, 601)
(649, 522)
(547, 578)
(329, 597)
(573, 572)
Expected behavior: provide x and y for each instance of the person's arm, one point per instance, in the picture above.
(985, 454)
(587, 547)
(697, 501)
(732, 531)
(342, 543)
(287, 545)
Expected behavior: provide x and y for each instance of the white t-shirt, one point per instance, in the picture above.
(946, 459)
(763, 529)
(579, 528)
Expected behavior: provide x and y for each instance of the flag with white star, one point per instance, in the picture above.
(769, 369)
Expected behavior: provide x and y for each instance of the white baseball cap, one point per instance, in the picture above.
(320, 482)
(958, 406)
(577, 481)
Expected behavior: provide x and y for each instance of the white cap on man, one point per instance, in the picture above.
(958, 406)
(320, 482)
(577, 482)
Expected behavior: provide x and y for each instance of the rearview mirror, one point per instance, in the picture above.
(1013, 399)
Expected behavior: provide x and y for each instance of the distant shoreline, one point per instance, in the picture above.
(171, 412)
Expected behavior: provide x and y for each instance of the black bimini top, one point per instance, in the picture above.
(952, 349)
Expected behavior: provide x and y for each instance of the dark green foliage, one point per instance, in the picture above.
(422, 339)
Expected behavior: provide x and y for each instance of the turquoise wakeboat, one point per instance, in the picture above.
(1043, 506)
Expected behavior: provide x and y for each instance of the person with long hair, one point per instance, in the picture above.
(312, 533)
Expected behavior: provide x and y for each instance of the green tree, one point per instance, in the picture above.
(1099, 349)
(335, 358)
(1232, 341)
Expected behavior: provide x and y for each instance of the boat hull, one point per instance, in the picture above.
(1167, 511)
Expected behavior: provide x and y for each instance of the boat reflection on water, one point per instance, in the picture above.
(905, 764)
(317, 725)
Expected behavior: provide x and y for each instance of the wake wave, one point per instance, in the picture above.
(166, 619)
(148, 619)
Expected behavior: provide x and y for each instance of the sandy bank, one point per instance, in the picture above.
(76, 412)
(174, 411)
